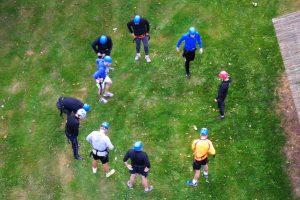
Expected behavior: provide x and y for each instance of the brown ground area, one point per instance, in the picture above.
(291, 126)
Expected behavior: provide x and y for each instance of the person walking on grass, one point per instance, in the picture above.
(222, 93)
(139, 28)
(69, 104)
(190, 39)
(103, 82)
(202, 148)
(102, 46)
(72, 130)
(101, 146)
(140, 164)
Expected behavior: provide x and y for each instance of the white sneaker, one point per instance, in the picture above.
(111, 172)
(129, 185)
(137, 56)
(147, 57)
(108, 94)
(94, 170)
(149, 189)
(102, 100)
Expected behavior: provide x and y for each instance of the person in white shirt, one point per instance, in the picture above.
(101, 146)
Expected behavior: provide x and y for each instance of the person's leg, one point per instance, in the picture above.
(196, 176)
(106, 167)
(131, 179)
(74, 142)
(94, 166)
(138, 45)
(221, 106)
(145, 182)
(145, 43)
(205, 171)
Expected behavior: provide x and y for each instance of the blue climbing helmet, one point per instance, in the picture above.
(192, 31)
(103, 39)
(86, 107)
(204, 131)
(108, 59)
(137, 19)
(105, 125)
(138, 146)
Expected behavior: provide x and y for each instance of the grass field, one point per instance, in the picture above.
(45, 53)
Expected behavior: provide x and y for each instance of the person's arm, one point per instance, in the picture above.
(110, 146)
(147, 163)
(180, 41)
(221, 92)
(94, 46)
(125, 159)
(129, 26)
(89, 138)
(109, 44)
(147, 26)
(211, 150)
(199, 41)
(194, 145)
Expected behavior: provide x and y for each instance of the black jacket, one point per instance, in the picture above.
(138, 158)
(71, 104)
(139, 29)
(102, 48)
(72, 125)
(223, 90)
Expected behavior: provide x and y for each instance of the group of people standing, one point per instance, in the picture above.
(101, 145)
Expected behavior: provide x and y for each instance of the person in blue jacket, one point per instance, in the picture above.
(190, 38)
(103, 81)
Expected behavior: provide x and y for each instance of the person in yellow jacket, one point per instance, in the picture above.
(202, 148)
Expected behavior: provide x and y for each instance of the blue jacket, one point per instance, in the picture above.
(190, 43)
(100, 73)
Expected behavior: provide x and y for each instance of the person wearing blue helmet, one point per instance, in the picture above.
(101, 146)
(102, 79)
(190, 39)
(140, 164)
(202, 147)
(69, 104)
(139, 28)
(102, 46)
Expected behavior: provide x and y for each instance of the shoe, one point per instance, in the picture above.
(129, 185)
(149, 189)
(147, 57)
(190, 183)
(78, 158)
(188, 76)
(94, 170)
(102, 100)
(111, 172)
(222, 117)
(137, 56)
(108, 94)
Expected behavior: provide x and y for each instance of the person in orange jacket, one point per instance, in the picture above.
(202, 148)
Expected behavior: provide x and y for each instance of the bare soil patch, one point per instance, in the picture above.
(15, 87)
(65, 171)
(291, 126)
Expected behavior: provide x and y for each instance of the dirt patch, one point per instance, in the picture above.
(81, 94)
(65, 171)
(18, 193)
(291, 126)
(29, 52)
(15, 87)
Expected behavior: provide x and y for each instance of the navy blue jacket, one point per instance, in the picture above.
(71, 104)
(103, 48)
(138, 158)
(223, 90)
(72, 125)
(139, 29)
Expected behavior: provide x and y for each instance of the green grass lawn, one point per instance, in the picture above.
(46, 52)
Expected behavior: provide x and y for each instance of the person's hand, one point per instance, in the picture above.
(147, 33)
(132, 34)
(103, 55)
(216, 100)
(201, 50)
(98, 54)
(129, 167)
(146, 169)
(177, 49)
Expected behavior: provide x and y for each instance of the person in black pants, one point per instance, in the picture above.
(222, 93)
(140, 164)
(69, 104)
(102, 46)
(140, 34)
(72, 130)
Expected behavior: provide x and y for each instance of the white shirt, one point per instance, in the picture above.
(100, 142)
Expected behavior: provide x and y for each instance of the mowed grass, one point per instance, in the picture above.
(46, 53)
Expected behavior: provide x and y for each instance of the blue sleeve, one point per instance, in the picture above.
(180, 40)
(199, 40)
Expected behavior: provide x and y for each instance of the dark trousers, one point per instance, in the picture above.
(74, 143)
(138, 45)
(221, 106)
(189, 56)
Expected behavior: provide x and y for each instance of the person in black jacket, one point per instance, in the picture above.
(140, 164)
(69, 104)
(72, 130)
(102, 46)
(140, 33)
(222, 93)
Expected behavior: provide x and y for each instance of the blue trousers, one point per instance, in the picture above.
(74, 143)
(138, 45)
(221, 105)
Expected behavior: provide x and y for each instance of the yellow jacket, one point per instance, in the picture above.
(202, 148)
